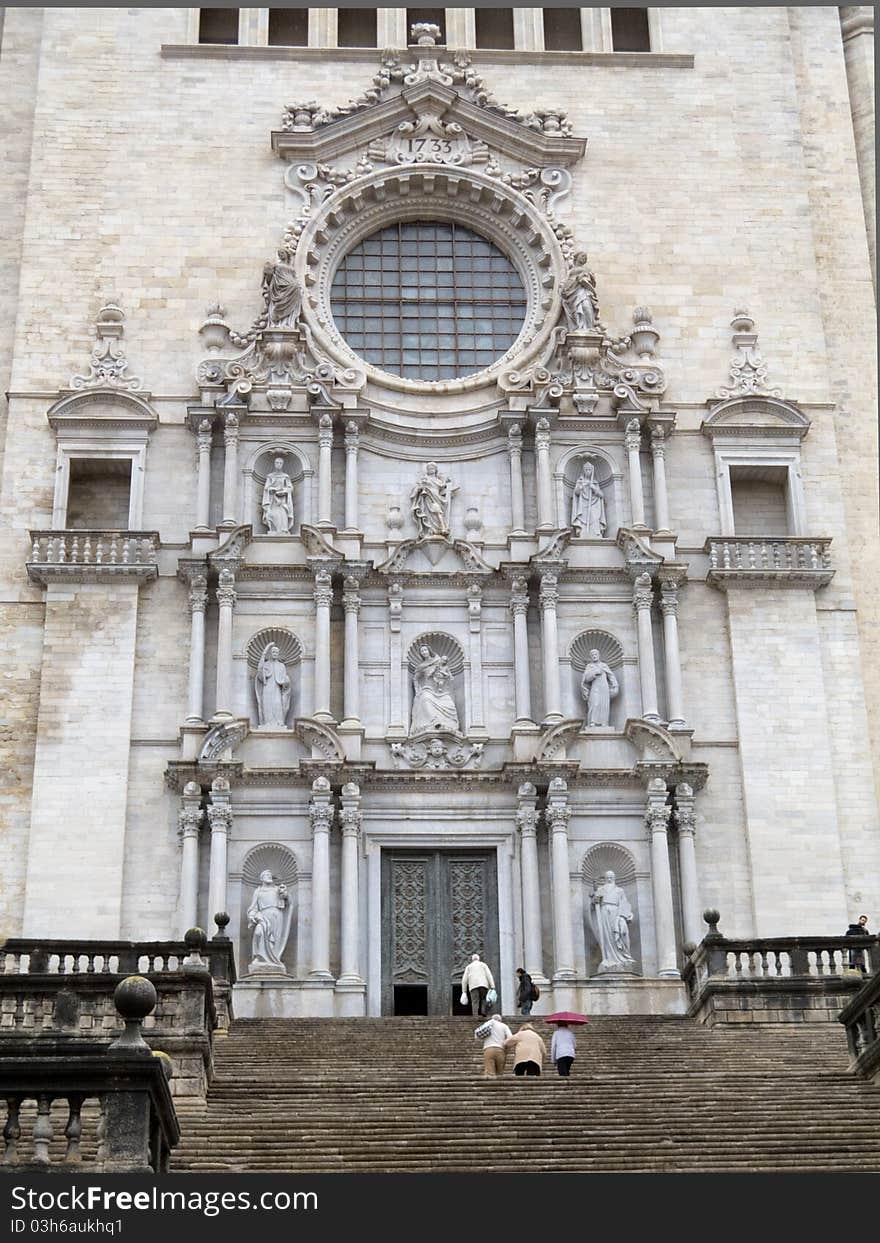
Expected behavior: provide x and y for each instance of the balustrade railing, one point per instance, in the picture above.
(861, 1018)
(20, 956)
(776, 958)
(763, 558)
(92, 554)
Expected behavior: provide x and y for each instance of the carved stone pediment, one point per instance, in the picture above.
(220, 741)
(639, 555)
(231, 551)
(434, 555)
(318, 739)
(653, 743)
(316, 544)
(755, 416)
(87, 410)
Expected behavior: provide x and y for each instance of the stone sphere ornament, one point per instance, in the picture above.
(134, 997)
(195, 939)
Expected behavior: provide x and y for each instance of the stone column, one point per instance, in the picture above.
(325, 447)
(396, 725)
(226, 603)
(527, 823)
(350, 820)
(657, 819)
(321, 816)
(549, 597)
(323, 601)
(558, 814)
(669, 608)
(475, 628)
(633, 441)
(198, 602)
(189, 821)
(517, 500)
(519, 607)
(230, 471)
(351, 603)
(686, 823)
(661, 497)
(642, 598)
(203, 496)
(542, 471)
(220, 820)
(352, 441)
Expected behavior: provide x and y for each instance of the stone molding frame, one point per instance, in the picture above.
(433, 192)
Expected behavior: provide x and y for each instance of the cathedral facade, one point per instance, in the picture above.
(439, 492)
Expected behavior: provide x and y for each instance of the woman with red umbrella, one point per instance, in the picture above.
(562, 1046)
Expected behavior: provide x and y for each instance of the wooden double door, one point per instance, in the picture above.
(438, 908)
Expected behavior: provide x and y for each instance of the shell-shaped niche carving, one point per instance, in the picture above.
(608, 647)
(608, 857)
(289, 646)
(269, 857)
(442, 645)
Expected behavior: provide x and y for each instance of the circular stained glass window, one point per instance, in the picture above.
(428, 301)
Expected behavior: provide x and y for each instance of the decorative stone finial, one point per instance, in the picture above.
(351, 790)
(748, 371)
(134, 998)
(320, 785)
(221, 919)
(425, 34)
(192, 789)
(108, 365)
(711, 916)
(215, 331)
(527, 790)
(195, 939)
(644, 335)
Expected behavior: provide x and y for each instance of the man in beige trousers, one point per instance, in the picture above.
(494, 1032)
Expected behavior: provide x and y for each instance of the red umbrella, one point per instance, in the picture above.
(564, 1016)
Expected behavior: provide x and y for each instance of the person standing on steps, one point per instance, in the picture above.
(562, 1049)
(857, 957)
(475, 984)
(529, 1051)
(495, 1033)
(525, 991)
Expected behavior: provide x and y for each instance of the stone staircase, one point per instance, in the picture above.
(646, 1094)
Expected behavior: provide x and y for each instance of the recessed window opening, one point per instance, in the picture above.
(356, 27)
(428, 300)
(494, 27)
(629, 30)
(289, 27)
(437, 16)
(99, 494)
(562, 30)
(760, 500)
(218, 25)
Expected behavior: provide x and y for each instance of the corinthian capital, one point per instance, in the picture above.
(549, 591)
(643, 593)
(632, 438)
(323, 588)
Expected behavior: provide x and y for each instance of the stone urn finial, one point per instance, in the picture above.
(426, 34)
(134, 998)
(711, 916)
(221, 919)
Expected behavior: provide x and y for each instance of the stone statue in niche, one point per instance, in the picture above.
(282, 292)
(610, 916)
(579, 299)
(431, 501)
(598, 687)
(433, 706)
(272, 686)
(588, 504)
(269, 915)
(277, 502)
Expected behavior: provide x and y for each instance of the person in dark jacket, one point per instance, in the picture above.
(857, 956)
(525, 995)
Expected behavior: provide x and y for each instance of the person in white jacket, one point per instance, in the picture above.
(562, 1049)
(476, 982)
(494, 1032)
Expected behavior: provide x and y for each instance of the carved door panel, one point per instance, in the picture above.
(438, 908)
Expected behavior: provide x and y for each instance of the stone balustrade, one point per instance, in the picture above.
(776, 561)
(52, 989)
(861, 1018)
(92, 556)
(776, 979)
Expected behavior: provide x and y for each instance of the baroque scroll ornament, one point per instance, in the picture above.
(438, 754)
(108, 365)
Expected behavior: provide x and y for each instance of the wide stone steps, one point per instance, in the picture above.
(646, 1094)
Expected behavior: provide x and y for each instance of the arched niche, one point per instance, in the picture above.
(599, 859)
(290, 652)
(610, 652)
(281, 862)
(259, 466)
(444, 645)
(608, 475)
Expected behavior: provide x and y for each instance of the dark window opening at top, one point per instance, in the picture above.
(289, 27)
(218, 25)
(356, 27)
(436, 16)
(562, 30)
(629, 30)
(494, 27)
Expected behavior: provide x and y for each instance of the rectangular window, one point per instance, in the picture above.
(494, 27)
(289, 27)
(629, 30)
(356, 27)
(760, 500)
(436, 16)
(218, 25)
(562, 30)
(99, 494)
